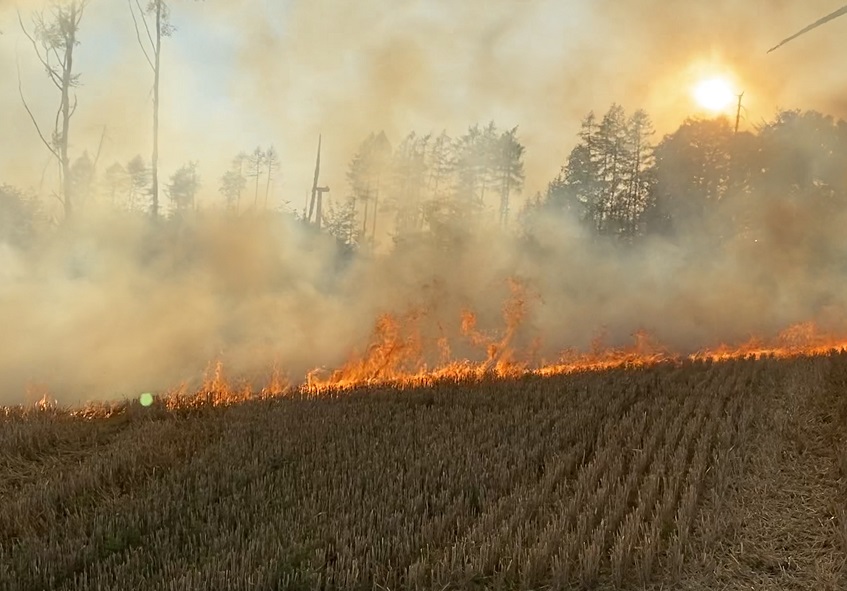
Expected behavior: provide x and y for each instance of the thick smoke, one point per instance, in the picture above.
(109, 306)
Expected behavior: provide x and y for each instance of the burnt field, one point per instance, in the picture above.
(692, 475)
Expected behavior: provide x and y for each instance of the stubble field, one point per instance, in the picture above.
(695, 475)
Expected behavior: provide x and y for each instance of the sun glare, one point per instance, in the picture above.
(713, 94)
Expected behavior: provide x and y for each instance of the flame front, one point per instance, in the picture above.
(394, 359)
(397, 353)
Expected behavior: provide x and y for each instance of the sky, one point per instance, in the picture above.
(241, 73)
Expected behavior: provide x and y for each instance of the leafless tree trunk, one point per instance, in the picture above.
(53, 40)
(158, 11)
(154, 208)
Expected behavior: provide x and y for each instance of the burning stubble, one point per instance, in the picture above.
(109, 306)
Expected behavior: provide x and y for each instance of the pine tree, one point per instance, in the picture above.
(409, 175)
(578, 189)
(509, 170)
(271, 166)
(639, 178)
(183, 188)
(614, 162)
(82, 179)
(608, 180)
(139, 182)
(366, 175)
(255, 167)
(441, 163)
(232, 186)
(440, 166)
(117, 182)
(475, 164)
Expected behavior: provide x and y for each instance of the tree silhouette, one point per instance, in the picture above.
(150, 43)
(54, 39)
(613, 163)
(271, 166)
(341, 221)
(255, 167)
(796, 196)
(474, 166)
(366, 173)
(693, 170)
(82, 175)
(608, 178)
(440, 166)
(20, 213)
(577, 189)
(509, 170)
(182, 188)
(638, 176)
(139, 180)
(116, 182)
(408, 183)
(152, 23)
(233, 183)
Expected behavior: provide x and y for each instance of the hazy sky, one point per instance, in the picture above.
(243, 72)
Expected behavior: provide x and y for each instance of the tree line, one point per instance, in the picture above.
(609, 176)
(705, 178)
(53, 34)
(251, 174)
(430, 185)
(618, 182)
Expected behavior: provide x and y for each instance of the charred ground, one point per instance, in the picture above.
(698, 475)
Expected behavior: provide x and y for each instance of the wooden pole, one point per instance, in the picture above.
(315, 182)
(738, 112)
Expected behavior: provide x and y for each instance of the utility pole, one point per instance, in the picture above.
(316, 200)
(738, 112)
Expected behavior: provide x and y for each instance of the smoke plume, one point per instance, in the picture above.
(110, 306)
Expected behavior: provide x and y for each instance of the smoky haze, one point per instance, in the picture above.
(237, 74)
(108, 306)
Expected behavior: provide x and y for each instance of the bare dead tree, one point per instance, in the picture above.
(272, 165)
(54, 38)
(153, 21)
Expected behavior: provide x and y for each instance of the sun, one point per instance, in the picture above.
(714, 94)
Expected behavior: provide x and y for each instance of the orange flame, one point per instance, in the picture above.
(398, 355)
(397, 351)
